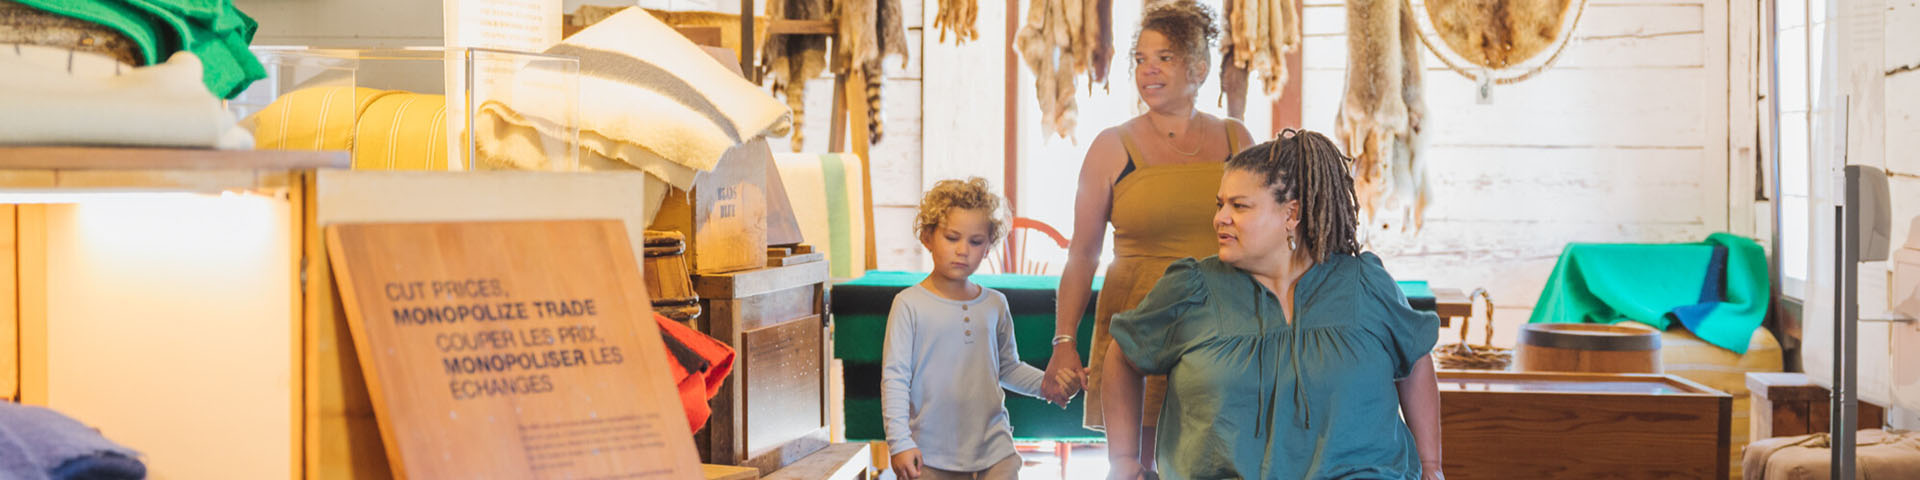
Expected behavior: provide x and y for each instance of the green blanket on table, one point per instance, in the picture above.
(1719, 288)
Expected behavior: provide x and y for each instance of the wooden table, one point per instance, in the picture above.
(1451, 303)
(1577, 425)
(841, 461)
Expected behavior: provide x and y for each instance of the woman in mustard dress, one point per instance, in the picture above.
(1150, 177)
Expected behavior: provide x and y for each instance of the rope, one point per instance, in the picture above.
(1568, 38)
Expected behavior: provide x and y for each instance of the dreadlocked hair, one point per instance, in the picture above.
(1304, 165)
(946, 195)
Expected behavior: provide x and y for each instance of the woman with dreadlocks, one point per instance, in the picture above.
(1291, 354)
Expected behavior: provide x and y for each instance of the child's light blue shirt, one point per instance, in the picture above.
(944, 364)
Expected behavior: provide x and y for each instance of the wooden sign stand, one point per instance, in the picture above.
(511, 350)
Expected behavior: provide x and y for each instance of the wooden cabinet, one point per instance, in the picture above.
(773, 411)
(181, 300)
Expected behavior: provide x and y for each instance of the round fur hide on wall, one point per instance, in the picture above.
(1498, 33)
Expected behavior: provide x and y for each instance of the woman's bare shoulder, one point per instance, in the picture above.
(1106, 155)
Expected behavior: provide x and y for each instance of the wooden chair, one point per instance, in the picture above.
(1011, 258)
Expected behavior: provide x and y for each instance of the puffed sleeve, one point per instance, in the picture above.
(1149, 334)
(1409, 334)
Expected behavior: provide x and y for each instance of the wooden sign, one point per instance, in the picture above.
(511, 350)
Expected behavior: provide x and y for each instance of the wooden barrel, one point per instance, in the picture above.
(1586, 347)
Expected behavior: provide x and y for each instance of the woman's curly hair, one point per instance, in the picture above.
(946, 195)
(1188, 25)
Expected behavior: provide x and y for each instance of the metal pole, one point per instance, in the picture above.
(1842, 356)
(1846, 392)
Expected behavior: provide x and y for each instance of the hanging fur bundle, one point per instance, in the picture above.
(1379, 120)
(958, 16)
(790, 60)
(1260, 33)
(1061, 40)
(870, 30)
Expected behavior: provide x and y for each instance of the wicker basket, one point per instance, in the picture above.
(1485, 356)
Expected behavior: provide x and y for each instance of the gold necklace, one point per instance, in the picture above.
(1169, 139)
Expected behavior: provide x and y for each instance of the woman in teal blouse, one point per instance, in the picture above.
(1290, 354)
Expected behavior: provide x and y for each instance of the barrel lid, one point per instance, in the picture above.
(1588, 336)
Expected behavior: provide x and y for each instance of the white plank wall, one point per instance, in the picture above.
(1625, 140)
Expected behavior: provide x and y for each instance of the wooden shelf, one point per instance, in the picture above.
(802, 27)
(121, 158)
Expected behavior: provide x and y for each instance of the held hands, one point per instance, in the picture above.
(1065, 375)
(906, 465)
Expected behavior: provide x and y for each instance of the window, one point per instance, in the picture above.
(1799, 44)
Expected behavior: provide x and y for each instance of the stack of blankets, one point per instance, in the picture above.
(648, 99)
(146, 73)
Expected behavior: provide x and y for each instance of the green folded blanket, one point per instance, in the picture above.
(1718, 289)
(212, 29)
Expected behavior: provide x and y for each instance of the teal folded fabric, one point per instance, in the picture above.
(212, 29)
(1718, 289)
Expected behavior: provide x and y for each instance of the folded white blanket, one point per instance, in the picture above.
(62, 97)
(648, 98)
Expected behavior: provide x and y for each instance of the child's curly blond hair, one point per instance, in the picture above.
(946, 195)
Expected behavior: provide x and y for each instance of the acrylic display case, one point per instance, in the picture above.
(427, 108)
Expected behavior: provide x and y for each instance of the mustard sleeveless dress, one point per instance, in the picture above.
(1160, 213)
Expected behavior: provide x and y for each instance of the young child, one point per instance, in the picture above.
(950, 349)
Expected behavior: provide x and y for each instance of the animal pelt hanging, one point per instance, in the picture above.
(1498, 33)
(790, 60)
(870, 30)
(1061, 40)
(1260, 33)
(959, 17)
(1380, 119)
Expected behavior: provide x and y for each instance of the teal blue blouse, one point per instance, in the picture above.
(1252, 396)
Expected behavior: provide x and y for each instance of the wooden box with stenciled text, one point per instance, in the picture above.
(724, 216)
(773, 411)
(1502, 425)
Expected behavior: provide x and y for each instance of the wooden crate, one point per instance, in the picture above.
(724, 215)
(773, 411)
(1576, 425)
(1789, 404)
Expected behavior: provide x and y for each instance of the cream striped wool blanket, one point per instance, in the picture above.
(648, 99)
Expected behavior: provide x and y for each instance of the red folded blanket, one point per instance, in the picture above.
(699, 365)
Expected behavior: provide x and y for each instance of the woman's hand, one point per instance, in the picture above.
(906, 465)
(1431, 472)
(1065, 375)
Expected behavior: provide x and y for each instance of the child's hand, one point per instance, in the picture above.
(1065, 375)
(906, 465)
(1069, 380)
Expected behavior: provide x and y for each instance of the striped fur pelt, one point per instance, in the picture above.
(789, 61)
(870, 30)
